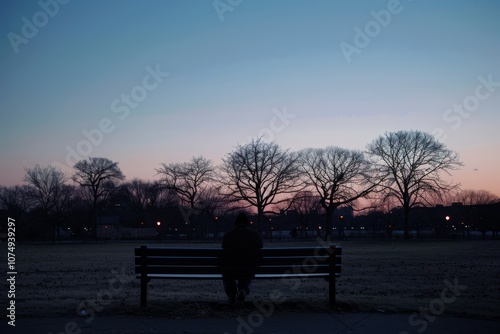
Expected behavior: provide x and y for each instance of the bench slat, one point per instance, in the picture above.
(218, 270)
(167, 251)
(207, 261)
(219, 276)
(215, 252)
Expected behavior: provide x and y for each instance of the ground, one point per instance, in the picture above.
(444, 277)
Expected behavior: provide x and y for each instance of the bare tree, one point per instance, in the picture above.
(307, 204)
(339, 177)
(62, 205)
(136, 192)
(98, 175)
(159, 196)
(475, 197)
(45, 182)
(146, 195)
(412, 163)
(475, 208)
(260, 174)
(16, 200)
(49, 192)
(216, 205)
(187, 179)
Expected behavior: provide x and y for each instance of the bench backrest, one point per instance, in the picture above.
(307, 261)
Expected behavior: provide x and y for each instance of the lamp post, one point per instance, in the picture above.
(341, 227)
(216, 219)
(447, 219)
(158, 230)
(270, 229)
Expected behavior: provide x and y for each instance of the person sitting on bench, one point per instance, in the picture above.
(240, 258)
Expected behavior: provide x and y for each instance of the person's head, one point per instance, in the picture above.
(241, 220)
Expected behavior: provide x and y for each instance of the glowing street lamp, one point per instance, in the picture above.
(158, 230)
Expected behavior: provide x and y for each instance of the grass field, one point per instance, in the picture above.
(403, 277)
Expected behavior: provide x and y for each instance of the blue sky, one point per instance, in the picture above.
(229, 79)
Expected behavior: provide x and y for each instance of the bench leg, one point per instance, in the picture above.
(331, 289)
(144, 277)
(331, 275)
(144, 292)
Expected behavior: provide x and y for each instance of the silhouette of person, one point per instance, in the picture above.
(240, 258)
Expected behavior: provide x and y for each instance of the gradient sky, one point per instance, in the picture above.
(230, 74)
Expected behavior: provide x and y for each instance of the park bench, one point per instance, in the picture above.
(202, 263)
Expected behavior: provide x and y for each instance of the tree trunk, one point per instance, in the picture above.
(54, 231)
(328, 221)
(406, 214)
(260, 215)
(94, 219)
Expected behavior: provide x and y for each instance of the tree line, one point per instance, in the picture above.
(403, 169)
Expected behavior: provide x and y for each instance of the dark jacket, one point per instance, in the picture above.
(241, 255)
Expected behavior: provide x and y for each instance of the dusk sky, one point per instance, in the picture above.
(150, 82)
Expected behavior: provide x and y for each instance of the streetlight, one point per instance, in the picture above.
(158, 230)
(447, 219)
(216, 227)
(341, 227)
